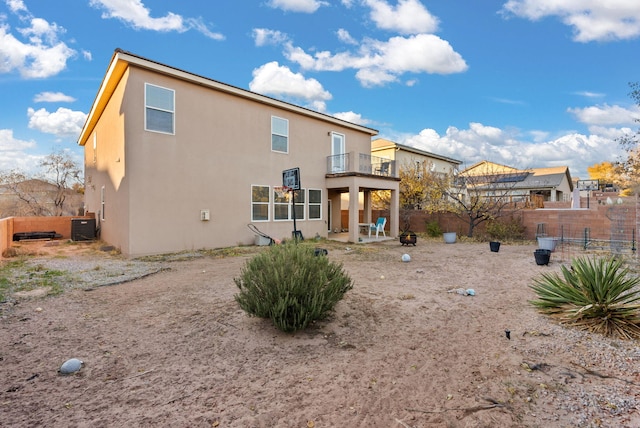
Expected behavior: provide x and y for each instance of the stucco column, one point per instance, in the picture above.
(366, 217)
(394, 211)
(354, 210)
(336, 212)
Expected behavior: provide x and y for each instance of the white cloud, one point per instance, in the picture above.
(606, 115)
(345, 37)
(419, 53)
(63, 122)
(13, 155)
(408, 17)
(588, 94)
(9, 143)
(16, 6)
(53, 97)
(264, 37)
(480, 142)
(591, 20)
(379, 62)
(202, 28)
(370, 77)
(40, 55)
(352, 117)
(507, 101)
(134, 13)
(276, 80)
(304, 6)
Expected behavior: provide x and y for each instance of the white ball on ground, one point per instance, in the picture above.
(406, 258)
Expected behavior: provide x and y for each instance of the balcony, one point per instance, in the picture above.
(362, 163)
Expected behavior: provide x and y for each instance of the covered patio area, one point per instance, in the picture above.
(358, 189)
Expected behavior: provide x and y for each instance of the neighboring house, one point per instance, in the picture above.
(175, 161)
(406, 155)
(531, 185)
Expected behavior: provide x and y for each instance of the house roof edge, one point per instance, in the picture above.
(122, 59)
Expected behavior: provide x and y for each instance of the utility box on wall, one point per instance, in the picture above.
(83, 229)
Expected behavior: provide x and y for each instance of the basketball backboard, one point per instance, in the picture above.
(291, 178)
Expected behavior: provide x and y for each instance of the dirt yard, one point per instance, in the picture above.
(403, 349)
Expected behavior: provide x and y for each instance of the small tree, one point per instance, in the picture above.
(63, 172)
(30, 196)
(475, 197)
(42, 194)
(630, 167)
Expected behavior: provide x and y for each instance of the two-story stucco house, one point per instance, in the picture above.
(176, 161)
(407, 156)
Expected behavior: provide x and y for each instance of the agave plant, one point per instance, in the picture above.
(595, 294)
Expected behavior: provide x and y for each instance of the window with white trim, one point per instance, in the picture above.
(102, 203)
(95, 147)
(283, 205)
(259, 203)
(300, 200)
(159, 106)
(279, 134)
(315, 204)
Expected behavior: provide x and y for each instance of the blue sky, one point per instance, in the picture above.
(527, 83)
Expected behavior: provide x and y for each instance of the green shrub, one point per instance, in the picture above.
(595, 294)
(291, 286)
(433, 229)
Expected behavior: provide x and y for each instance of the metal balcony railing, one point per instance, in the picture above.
(365, 164)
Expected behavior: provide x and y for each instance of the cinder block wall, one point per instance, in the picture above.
(602, 220)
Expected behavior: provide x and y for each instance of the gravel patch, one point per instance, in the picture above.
(98, 272)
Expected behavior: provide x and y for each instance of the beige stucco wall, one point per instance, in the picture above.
(404, 158)
(107, 166)
(385, 149)
(221, 146)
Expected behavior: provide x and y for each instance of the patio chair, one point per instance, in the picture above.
(378, 226)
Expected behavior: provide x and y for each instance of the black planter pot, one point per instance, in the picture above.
(542, 257)
(407, 238)
(494, 246)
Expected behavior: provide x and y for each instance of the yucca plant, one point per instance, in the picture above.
(291, 285)
(595, 294)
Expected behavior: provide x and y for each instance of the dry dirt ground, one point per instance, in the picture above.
(401, 350)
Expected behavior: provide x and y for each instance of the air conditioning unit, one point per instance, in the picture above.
(83, 229)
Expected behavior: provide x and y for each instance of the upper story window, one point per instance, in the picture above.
(279, 134)
(159, 106)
